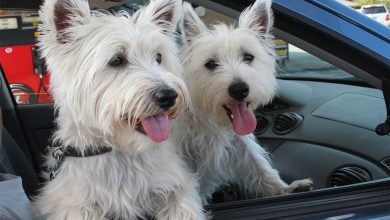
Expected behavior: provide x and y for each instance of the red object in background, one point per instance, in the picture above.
(24, 70)
(17, 63)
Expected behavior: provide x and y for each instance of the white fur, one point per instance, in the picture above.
(101, 105)
(205, 137)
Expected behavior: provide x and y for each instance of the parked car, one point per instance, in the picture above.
(378, 12)
(334, 91)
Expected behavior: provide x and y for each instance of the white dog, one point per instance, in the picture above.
(116, 81)
(229, 72)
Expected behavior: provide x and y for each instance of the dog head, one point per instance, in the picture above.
(113, 75)
(229, 71)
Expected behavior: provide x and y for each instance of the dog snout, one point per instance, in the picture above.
(165, 98)
(239, 90)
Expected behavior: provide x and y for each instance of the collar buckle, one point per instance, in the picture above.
(58, 154)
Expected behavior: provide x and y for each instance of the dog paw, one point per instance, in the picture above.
(300, 186)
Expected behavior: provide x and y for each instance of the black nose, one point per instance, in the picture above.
(239, 90)
(165, 98)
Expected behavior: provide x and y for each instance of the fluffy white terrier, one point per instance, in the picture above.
(229, 72)
(116, 81)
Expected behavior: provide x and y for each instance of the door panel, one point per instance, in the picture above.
(37, 123)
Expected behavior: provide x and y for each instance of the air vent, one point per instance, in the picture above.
(386, 162)
(286, 122)
(349, 175)
(262, 124)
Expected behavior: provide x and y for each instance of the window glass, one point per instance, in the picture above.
(210, 17)
(374, 10)
(295, 62)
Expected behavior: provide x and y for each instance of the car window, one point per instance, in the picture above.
(210, 17)
(295, 62)
(374, 10)
(292, 61)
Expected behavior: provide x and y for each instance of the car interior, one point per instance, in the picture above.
(319, 126)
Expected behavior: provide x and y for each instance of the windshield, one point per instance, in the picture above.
(295, 62)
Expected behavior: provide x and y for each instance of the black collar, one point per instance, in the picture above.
(73, 152)
(60, 154)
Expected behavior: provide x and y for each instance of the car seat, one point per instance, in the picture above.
(14, 161)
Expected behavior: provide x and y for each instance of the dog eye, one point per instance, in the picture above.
(248, 57)
(211, 64)
(158, 58)
(116, 61)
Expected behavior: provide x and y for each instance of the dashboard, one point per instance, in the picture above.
(325, 131)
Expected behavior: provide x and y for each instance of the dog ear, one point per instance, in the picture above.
(192, 25)
(163, 13)
(258, 17)
(67, 13)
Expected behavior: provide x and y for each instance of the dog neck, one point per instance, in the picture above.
(60, 152)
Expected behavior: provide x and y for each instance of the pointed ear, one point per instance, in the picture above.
(258, 17)
(66, 13)
(192, 25)
(163, 13)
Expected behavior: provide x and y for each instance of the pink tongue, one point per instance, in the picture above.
(156, 127)
(244, 121)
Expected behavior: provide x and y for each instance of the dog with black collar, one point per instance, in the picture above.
(116, 82)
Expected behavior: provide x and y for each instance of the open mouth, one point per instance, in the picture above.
(230, 113)
(140, 129)
(156, 127)
(242, 117)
